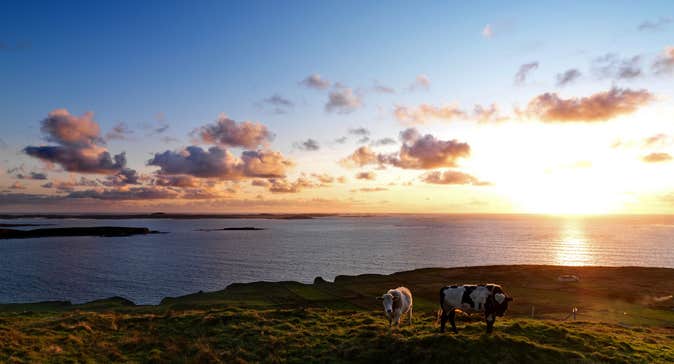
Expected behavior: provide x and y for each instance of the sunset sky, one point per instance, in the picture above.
(316, 106)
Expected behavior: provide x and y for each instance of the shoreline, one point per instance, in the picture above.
(480, 272)
(161, 215)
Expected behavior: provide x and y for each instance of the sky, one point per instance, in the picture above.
(342, 106)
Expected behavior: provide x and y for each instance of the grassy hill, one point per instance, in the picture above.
(624, 315)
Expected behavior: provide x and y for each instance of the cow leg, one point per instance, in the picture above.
(443, 321)
(490, 322)
(452, 315)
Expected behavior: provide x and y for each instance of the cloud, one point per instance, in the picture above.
(370, 189)
(657, 157)
(656, 25)
(181, 181)
(568, 77)
(601, 106)
(264, 163)
(360, 157)
(359, 132)
(33, 176)
(383, 141)
(280, 104)
(488, 114)
(308, 145)
(118, 132)
(70, 185)
(126, 176)
(366, 175)
(323, 178)
(260, 183)
(523, 72)
(417, 152)
(487, 31)
(425, 112)
(382, 89)
(425, 152)
(664, 64)
(611, 66)
(227, 132)
(284, 186)
(159, 126)
(421, 82)
(315, 81)
(79, 148)
(341, 140)
(168, 139)
(220, 163)
(362, 133)
(657, 140)
(343, 100)
(135, 193)
(450, 177)
(3, 145)
(17, 186)
(69, 130)
(79, 160)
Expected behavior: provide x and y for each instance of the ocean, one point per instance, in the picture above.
(147, 268)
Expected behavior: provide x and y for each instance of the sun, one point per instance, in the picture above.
(567, 196)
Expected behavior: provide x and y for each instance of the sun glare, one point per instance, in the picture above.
(572, 246)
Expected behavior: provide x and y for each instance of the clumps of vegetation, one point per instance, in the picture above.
(232, 335)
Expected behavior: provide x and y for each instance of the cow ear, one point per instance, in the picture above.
(500, 297)
(380, 298)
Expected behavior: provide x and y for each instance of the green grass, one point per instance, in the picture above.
(342, 322)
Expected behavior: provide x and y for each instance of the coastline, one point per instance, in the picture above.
(161, 215)
(526, 281)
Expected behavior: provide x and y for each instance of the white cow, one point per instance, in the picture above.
(397, 302)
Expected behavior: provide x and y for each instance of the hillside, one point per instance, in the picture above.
(624, 315)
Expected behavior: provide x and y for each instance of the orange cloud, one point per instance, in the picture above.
(425, 112)
(601, 106)
(227, 132)
(366, 175)
(450, 177)
(657, 158)
(417, 152)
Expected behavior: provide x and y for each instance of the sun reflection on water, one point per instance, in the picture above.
(572, 248)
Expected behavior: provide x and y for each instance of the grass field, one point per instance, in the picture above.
(624, 315)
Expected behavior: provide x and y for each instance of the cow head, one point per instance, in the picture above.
(501, 303)
(388, 301)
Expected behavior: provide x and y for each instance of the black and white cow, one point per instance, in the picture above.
(487, 298)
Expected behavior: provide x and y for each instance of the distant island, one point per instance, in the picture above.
(162, 215)
(241, 228)
(21, 225)
(105, 231)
